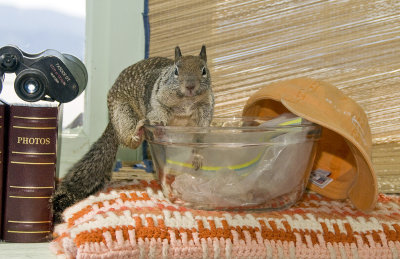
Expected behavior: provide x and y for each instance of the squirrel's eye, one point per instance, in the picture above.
(204, 71)
(176, 71)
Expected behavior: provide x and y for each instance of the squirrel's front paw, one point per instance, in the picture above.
(136, 138)
(197, 161)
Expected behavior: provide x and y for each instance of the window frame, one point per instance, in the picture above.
(114, 40)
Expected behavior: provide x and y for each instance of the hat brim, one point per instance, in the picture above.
(304, 97)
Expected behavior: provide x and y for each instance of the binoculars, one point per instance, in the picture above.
(49, 75)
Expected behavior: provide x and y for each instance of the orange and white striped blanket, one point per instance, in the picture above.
(135, 220)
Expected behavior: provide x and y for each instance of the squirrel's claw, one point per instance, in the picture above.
(158, 123)
(136, 139)
(197, 161)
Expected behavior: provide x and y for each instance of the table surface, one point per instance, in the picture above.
(25, 250)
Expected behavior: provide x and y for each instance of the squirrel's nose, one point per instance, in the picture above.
(190, 86)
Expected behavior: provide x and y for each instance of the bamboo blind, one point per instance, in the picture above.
(354, 45)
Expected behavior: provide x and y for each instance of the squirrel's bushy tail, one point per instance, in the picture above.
(88, 175)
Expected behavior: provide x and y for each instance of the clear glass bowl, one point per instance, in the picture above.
(246, 163)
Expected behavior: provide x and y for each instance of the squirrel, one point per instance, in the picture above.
(157, 91)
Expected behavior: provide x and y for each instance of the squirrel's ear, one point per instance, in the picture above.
(178, 53)
(203, 54)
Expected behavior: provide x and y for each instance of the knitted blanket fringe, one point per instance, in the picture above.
(135, 220)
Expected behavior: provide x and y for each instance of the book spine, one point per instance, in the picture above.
(2, 129)
(30, 173)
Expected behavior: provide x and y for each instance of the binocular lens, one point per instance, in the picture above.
(31, 86)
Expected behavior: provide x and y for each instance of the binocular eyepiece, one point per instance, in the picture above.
(49, 75)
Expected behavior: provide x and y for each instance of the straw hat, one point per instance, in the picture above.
(344, 149)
